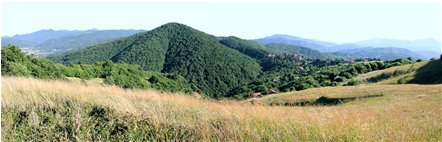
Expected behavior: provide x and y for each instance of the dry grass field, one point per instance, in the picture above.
(37, 110)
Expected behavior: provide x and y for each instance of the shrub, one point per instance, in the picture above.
(402, 81)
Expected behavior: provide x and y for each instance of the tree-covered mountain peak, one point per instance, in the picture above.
(176, 48)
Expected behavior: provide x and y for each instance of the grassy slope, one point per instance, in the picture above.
(72, 111)
(390, 93)
(426, 72)
(405, 71)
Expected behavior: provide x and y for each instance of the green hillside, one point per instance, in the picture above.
(250, 48)
(176, 48)
(431, 73)
(426, 72)
(15, 63)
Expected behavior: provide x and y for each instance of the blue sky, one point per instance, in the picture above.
(337, 22)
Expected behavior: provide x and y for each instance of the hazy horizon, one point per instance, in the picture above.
(438, 40)
(334, 22)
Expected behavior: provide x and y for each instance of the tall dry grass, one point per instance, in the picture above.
(400, 115)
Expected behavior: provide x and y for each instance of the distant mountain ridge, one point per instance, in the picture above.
(383, 53)
(260, 51)
(51, 41)
(297, 41)
(64, 39)
(280, 48)
(424, 48)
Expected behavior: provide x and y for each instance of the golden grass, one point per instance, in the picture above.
(387, 91)
(90, 82)
(400, 115)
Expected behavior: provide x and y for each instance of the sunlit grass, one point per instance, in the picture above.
(404, 113)
(406, 72)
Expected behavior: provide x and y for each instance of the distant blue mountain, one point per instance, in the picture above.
(346, 46)
(64, 39)
(424, 49)
(427, 54)
(297, 41)
(383, 53)
(35, 38)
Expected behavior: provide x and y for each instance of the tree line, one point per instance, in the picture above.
(289, 75)
(15, 63)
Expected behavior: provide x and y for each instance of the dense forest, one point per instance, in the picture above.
(179, 49)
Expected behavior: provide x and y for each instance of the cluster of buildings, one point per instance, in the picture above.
(294, 56)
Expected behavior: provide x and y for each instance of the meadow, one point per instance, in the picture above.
(35, 109)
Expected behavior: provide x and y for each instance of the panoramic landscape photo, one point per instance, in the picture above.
(200, 71)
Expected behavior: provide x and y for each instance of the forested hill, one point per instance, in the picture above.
(15, 63)
(176, 48)
(247, 47)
